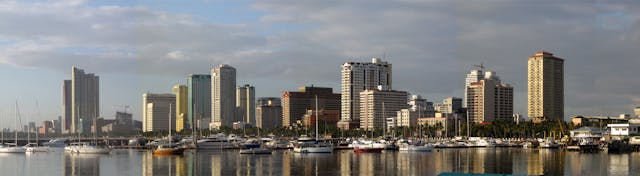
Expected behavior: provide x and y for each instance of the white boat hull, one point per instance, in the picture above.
(327, 149)
(13, 150)
(37, 149)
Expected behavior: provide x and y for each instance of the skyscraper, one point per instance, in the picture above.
(223, 96)
(545, 86)
(637, 111)
(199, 106)
(489, 100)
(378, 105)
(357, 77)
(474, 76)
(296, 104)
(155, 111)
(85, 100)
(246, 104)
(181, 106)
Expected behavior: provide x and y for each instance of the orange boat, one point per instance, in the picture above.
(168, 150)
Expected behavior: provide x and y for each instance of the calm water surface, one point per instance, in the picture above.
(229, 162)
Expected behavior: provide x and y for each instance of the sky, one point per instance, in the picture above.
(278, 45)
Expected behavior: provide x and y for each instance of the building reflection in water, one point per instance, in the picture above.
(76, 164)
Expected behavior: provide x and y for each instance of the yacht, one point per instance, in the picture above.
(213, 142)
(33, 147)
(86, 148)
(256, 151)
(366, 146)
(306, 145)
(12, 148)
(57, 143)
(418, 147)
(168, 149)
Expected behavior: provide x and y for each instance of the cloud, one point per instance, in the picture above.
(431, 44)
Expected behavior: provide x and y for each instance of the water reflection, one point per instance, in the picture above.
(230, 162)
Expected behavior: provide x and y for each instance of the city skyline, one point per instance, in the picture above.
(429, 60)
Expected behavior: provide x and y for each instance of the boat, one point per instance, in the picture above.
(549, 143)
(56, 143)
(306, 145)
(417, 147)
(33, 147)
(256, 151)
(279, 144)
(139, 141)
(87, 148)
(14, 148)
(168, 149)
(367, 148)
(213, 142)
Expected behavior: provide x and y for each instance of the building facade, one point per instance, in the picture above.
(81, 98)
(223, 96)
(637, 111)
(474, 76)
(357, 77)
(296, 104)
(182, 102)
(449, 105)
(378, 105)
(489, 100)
(66, 107)
(545, 84)
(156, 110)
(246, 104)
(199, 97)
(269, 113)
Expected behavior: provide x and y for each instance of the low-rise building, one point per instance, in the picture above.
(586, 132)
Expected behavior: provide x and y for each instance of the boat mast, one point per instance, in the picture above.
(316, 117)
(384, 122)
(16, 123)
(170, 124)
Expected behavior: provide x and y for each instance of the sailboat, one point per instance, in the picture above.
(34, 147)
(88, 148)
(14, 148)
(168, 149)
(315, 146)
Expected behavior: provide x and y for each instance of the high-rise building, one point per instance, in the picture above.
(84, 104)
(418, 108)
(489, 100)
(268, 112)
(449, 105)
(545, 86)
(199, 107)
(66, 107)
(378, 105)
(474, 76)
(637, 111)
(357, 77)
(182, 102)
(246, 104)
(156, 109)
(223, 96)
(296, 104)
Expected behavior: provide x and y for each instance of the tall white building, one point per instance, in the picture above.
(449, 105)
(474, 76)
(357, 77)
(246, 104)
(378, 105)
(637, 111)
(155, 112)
(223, 96)
(81, 100)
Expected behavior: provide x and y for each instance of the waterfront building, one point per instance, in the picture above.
(378, 105)
(296, 104)
(268, 113)
(489, 100)
(46, 128)
(444, 125)
(81, 101)
(449, 105)
(199, 107)
(223, 96)
(545, 86)
(246, 104)
(155, 111)
(474, 76)
(357, 77)
(182, 102)
(326, 117)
